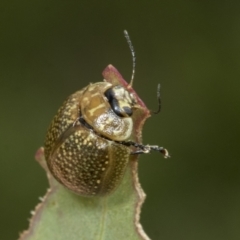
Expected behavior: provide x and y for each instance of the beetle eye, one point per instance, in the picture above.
(128, 111)
(118, 104)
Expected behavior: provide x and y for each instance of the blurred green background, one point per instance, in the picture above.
(50, 49)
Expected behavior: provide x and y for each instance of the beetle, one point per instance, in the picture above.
(89, 142)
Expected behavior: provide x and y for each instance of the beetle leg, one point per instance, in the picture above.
(137, 152)
(162, 150)
(142, 149)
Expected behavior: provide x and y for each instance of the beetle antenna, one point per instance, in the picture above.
(159, 100)
(133, 55)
